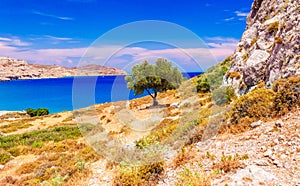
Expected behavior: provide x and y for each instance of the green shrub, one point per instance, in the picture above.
(255, 105)
(139, 174)
(158, 134)
(203, 84)
(228, 163)
(223, 95)
(4, 158)
(37, 112)
(14, 151)
(213, 77)
(287, 94)
(194, 178)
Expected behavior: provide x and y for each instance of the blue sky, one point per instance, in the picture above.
(59, 31)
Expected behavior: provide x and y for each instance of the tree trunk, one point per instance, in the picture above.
(155, 103)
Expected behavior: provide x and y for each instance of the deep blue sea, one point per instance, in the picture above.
(64, 94)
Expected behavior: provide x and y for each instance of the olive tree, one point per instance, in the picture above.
(155, 78)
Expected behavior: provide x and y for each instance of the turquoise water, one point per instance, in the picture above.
(61, 94)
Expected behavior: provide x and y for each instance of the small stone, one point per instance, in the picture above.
(99, 171)
(105, 178)
(281, 137)
(276, 141)
(277, 163)
(1, 167)
(263, 148)
(272, 157)
(268, 153)
(261, 162)
(279, 123)
(256, 124)
(176, 105)
(281, 149)
(283, 156)
(286, 165)
(287, 152)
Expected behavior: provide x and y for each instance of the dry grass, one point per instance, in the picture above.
(147, 174)
(183, 157)
(194, 178)
(232, 75)
(229, 163)
(273, 27)
(14, 126)
(67, 159)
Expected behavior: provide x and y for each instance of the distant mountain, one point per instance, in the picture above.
(11, 69)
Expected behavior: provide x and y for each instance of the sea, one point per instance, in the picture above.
(65, 94)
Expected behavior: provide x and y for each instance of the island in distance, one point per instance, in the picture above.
(12, 69)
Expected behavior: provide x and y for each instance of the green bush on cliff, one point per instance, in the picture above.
(213, 77)
(255, 105)
(287, 94)
(37, 112)
(263, 103)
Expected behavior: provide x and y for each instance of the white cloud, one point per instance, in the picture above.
(4, 39)
(221, 39)
(52, 16)
(241, 14)
(13, 47)
(14, 41)
(59, 38)
(229, 19)
(117, 56)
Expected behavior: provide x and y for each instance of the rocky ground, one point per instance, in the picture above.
(269, 154)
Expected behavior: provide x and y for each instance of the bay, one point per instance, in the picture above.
(57, 94)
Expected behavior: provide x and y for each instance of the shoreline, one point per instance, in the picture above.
(104, 75)
(3, 112)
(8, 80)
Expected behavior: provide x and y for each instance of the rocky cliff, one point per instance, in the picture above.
(18, 69)
(270, 46)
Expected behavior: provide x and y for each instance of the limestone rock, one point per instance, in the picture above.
(255, 124)
(268, 153)
(279, 123)
(270, 46)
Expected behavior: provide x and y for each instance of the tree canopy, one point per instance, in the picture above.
(155, 78)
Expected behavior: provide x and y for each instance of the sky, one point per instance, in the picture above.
(70, 32)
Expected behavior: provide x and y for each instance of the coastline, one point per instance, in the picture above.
(3, 112)
(79, 76)
(109, 75)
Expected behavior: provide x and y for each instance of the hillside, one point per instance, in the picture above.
(236, 124)
(18, 69)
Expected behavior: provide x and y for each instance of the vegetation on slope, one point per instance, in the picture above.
(60, 158)
(213, 77)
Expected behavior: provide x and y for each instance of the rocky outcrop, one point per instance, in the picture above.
(11, 69)
(270, 46)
